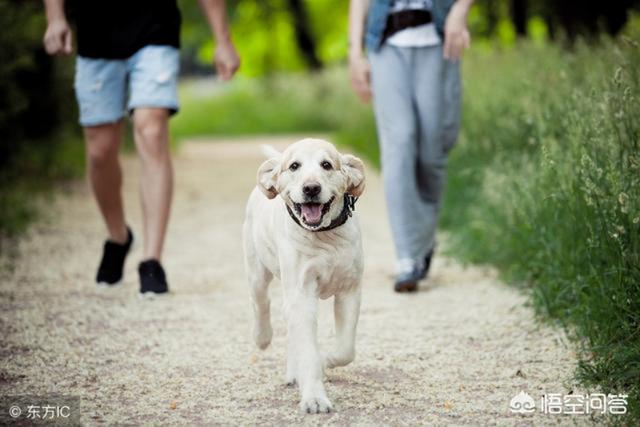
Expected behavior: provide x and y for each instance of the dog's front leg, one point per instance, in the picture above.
(346, 311)
(304, 358)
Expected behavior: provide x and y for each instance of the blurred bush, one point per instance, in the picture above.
(36, 104)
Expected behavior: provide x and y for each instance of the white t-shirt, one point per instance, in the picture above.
(423, 35)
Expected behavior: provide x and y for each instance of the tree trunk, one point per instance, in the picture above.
(304, 38)
(519, 16)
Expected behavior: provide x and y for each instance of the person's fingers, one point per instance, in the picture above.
(218, 65)
(357, 86)
(227, 72)
(222, 71)
(361, 92)
(456, 48)
(51, 45)
(47, 45)
(234, 67)
(360, 76)
(68, 47)
(446, 51)
(56, 45)
(364, 89)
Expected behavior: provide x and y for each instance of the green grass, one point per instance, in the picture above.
(280, 104)
(546, 185)
(544, 182)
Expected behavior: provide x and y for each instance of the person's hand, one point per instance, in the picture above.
(57, 38)
(360, 75)
(456, 34)
(227, 60)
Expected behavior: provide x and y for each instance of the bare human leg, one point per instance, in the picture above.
(151, 134)
(105, 176)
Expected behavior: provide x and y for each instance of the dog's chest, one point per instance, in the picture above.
(336, 272)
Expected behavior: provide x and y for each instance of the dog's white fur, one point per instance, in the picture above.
(309, 264)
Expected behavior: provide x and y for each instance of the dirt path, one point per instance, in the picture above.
(457, 352)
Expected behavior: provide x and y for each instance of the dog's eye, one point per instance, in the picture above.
(293, 166)
(326, 165)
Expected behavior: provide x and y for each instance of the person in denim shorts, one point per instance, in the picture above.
(127, 64)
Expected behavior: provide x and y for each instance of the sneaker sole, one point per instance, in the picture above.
(149, 295)
(107, 285)
(406, 287)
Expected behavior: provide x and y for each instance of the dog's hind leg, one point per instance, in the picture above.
(259, 280)
(346, 312)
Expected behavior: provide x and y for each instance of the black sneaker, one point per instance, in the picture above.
(152, 278)
(112, 264)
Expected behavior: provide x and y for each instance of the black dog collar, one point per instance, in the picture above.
(347, 211)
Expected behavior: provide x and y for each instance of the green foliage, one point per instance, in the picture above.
(286, 103)
(264, 36)
(36, 104)
(545, 184)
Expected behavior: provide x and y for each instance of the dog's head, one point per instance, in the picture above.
(311, 176)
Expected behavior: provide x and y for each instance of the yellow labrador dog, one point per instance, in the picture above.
(300, 227)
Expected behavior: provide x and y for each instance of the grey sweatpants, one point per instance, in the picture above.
(417, 106)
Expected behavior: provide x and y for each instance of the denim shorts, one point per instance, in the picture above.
(107, 88)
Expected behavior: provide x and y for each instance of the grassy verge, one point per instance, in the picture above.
(544, 182)
(547, 187)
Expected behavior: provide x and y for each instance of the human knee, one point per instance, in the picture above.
(151, 135)
(102, 146)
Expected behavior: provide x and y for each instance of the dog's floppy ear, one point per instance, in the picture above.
(268, 177)
(353, 169)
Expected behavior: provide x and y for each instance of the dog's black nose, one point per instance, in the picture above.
(311, 190)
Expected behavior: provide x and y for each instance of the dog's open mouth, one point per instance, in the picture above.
(312, 213)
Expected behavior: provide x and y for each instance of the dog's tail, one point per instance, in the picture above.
(269, 151)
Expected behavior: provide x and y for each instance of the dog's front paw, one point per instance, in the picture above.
(262, 335)
(315, 405)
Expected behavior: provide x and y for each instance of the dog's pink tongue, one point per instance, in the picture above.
(312, 212)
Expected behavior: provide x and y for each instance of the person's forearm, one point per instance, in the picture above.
(216, 13)
(54, 10)
(357, 15)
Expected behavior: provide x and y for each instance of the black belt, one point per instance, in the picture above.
(398, 21)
